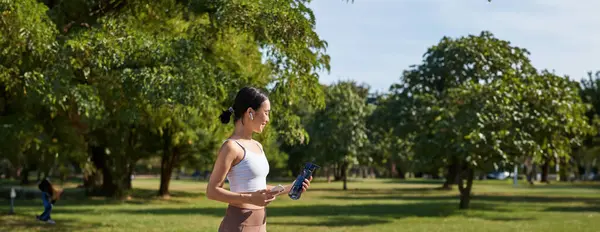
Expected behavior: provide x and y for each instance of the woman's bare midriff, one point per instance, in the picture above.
(247, 205)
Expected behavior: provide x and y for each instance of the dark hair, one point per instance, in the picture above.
(246, 97)
(46, 186)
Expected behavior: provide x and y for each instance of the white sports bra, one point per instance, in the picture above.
(250, 174)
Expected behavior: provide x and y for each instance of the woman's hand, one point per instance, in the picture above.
(261, 197)
(306, 184)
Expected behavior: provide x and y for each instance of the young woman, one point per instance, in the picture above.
(243, 162)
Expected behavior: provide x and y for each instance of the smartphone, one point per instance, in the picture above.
(277, 189)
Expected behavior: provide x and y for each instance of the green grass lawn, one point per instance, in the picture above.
(370, 205)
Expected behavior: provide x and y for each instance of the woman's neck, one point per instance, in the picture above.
(241, 132)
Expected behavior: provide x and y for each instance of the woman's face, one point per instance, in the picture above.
(260, 117)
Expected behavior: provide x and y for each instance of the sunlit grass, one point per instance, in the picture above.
(369, 205)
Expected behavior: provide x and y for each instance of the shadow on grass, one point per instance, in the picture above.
(591, 186)
(152, 193)
(537, 199)
(337, 215)
(385, 210)
(397, 196)
(61, 203)
(575, 209)
(337, 222)
(363, 191)
(73, 197)
(420, 209)
(484, 198)
(344, 215)
(29, 223)
(502, 219)
(433, 182)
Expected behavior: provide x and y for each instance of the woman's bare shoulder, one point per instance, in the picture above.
(230, 147)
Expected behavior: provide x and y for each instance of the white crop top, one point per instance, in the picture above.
(250, 174)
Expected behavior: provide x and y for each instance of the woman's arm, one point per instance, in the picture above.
(228, 154)
(288, 188)
(214, 190)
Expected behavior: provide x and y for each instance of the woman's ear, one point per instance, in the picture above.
(250, 112)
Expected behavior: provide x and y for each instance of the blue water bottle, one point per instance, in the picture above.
(296, 191)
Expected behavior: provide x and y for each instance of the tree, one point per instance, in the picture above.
(37, 110)
(421, 97)
(556, 121)
(590, 94)
(476, 103)
(511, 117)
(338, 132)
(155, 70)
(386, 147)
(131, 68)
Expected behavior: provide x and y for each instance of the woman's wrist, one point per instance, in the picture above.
(245, 198)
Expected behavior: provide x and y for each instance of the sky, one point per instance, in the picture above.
(373, 41)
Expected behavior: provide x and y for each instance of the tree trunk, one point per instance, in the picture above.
(327, 169)
(131, 159)
(545, 170)
(108, 188)
(92, 181)
(337, 170)
(363, 172)
(465, 191)
(25, 176)
(563, 170)
(294, 161)
(127, 180)
(588, 171)
(165, 179)
(165, 171)
(167, 164)
(399, 172)
(435, 175)
(401, 175)
(344, 169)
(531, 173)
(452, 176)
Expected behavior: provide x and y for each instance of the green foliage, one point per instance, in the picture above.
(385, 146)
(540, 115)
(128, 80)
(557, 118)
(451, 62)
(420, 102)
(105, 83)
(590, 94)
(35, 115)
(338, 132)
(476, 103)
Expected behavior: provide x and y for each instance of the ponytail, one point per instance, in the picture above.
(226, 115)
